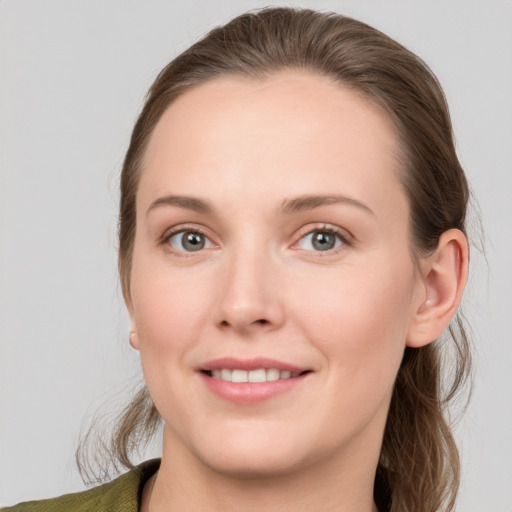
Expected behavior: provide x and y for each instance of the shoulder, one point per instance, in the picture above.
(119, 495)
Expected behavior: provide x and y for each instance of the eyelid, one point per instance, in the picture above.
(181, 228)
(346, 238)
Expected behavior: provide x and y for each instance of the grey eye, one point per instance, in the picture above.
(320, 241)
(323, 241)
(189, 241)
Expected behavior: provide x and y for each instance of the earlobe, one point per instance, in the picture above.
(134, 340)
(444, 275)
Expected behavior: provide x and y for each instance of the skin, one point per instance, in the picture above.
(260, 288)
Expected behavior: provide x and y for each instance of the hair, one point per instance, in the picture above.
(419, 462)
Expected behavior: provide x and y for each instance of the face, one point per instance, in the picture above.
(272, 284)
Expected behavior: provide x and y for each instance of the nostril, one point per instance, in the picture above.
(244, 324)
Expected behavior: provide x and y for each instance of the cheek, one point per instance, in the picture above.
(170, 311)
(169, 308)
(359, 320)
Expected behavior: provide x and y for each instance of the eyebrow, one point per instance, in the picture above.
(185, 202)
(288, 206)
(309, 202)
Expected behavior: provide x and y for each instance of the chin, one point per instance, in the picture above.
(252, 467)
(249, 453)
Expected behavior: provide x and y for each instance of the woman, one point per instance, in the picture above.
(292, 249)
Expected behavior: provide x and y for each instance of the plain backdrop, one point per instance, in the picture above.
(73, 77)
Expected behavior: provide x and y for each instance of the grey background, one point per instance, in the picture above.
(73, 76)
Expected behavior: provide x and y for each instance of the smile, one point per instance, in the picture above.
(257, 375)
(250, 381)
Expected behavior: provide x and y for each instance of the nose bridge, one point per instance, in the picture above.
(248, 294)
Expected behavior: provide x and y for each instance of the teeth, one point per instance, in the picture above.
(272, 374)
(259, 375)
(239, 376)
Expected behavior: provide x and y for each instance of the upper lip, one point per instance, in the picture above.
(231, 363)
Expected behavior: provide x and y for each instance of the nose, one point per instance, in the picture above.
(250, 295)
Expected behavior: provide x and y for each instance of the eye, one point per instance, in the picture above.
(189, 241)
(321, 240)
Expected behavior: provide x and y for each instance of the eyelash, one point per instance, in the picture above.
(342, 235)
(165, 240)
(345, 240)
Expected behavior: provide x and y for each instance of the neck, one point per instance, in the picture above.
(186, 484)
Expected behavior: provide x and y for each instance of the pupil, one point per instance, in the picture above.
(193, 241)
(323, 241)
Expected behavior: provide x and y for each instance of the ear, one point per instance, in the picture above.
(444, 274)
(134, 339)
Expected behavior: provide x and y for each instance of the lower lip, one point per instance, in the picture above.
(250, 392)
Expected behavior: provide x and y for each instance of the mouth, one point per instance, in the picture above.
(257, 375)
(251, 381)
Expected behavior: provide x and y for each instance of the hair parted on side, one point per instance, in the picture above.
(419, 459)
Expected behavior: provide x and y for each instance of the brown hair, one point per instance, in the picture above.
(419, 462)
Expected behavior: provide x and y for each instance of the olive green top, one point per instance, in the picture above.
(125, 492)
(121, 495)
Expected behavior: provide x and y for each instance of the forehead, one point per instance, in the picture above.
(292, 130)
